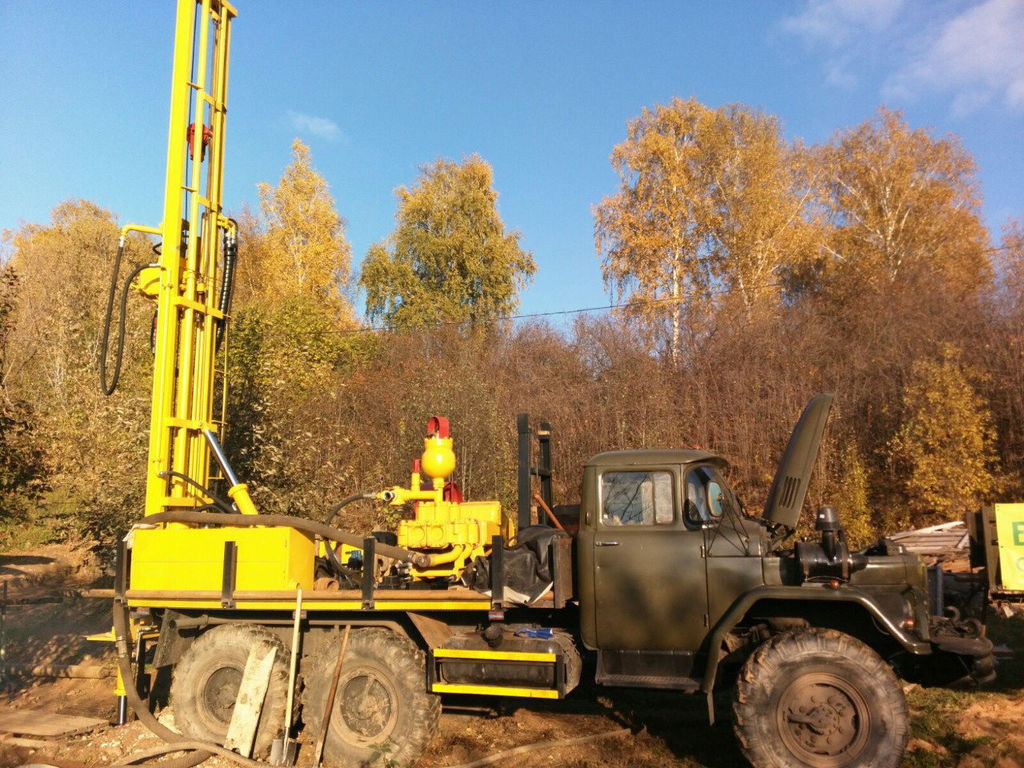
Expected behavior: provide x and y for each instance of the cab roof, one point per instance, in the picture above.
(654, 456)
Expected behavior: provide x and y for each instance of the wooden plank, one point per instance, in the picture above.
(38, 722)
(253, 689)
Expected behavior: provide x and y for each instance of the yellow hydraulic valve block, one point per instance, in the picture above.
(451, 531)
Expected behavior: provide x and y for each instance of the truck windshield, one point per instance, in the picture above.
(708, 497)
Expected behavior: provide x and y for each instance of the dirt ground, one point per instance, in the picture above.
(635, 728)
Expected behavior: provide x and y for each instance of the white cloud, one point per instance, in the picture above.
(835, 22)
(838, 74)
(323, 127)
(976, 57)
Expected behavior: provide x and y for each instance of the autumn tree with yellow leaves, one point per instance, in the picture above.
(288, 334)
(296, 246)
(771, 271)
(707, 206)
(95, 446)
(449, 258)
(904, 210)
(22, 457)
(946, 445)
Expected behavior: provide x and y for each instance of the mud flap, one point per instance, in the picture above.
(964, 640)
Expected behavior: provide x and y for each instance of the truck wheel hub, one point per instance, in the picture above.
(823, 719)
(368, 707)
(219, 694)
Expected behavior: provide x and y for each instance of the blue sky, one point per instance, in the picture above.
(541, 90)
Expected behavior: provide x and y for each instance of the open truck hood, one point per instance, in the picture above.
(786, 497)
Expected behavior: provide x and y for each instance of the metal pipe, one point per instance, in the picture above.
(547, 510)
(443, 558)
(222, 459)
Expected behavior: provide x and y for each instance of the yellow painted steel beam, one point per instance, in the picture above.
(461, 653)
(210, 602)
(495, 690)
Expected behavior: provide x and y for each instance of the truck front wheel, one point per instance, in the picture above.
(381, 709)
(821, 699)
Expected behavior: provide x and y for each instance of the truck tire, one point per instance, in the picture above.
(818, 698)
(206, 681)
(381, 706)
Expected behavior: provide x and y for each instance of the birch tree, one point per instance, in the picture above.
(707, 206)
(904, 208)
(302, 250)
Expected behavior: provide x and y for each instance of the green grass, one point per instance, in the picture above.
(36, 529)
(934, 713)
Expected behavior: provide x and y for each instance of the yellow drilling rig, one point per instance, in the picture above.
(275, 626)
(210, 578)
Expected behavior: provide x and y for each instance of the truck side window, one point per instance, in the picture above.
(636, 498)
(708, 496)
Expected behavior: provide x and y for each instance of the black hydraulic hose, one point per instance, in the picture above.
(332, 556)
(108, 388)
(183, 746)
(124, 666)
(227, 285)
(106, 322)
(218, 502)
(333, 512)
(202, 750)
(287, 521)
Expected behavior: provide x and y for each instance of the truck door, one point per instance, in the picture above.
(649, 586)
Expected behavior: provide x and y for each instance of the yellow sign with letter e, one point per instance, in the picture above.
(1010, 532)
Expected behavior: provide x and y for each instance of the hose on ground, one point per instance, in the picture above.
(124, 665)
(184, 746)
(287, 521)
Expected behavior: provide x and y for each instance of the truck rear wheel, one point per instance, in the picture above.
(206, 682)
(381, 706)
(821, 699)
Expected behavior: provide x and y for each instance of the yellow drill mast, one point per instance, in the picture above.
(197, 243)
